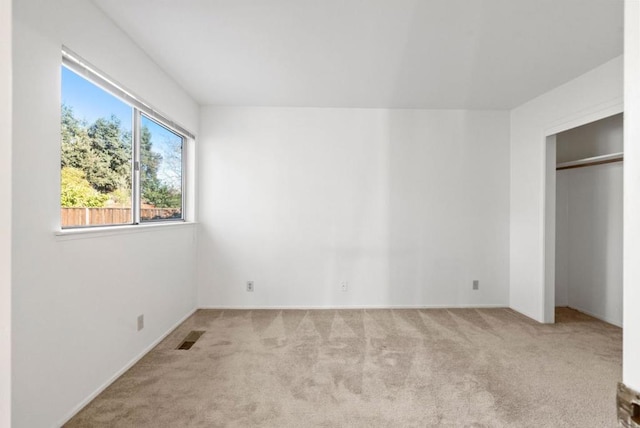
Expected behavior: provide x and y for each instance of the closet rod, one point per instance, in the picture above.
(596, 160)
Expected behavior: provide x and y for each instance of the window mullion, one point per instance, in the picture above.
(183, 161)
(135, 179)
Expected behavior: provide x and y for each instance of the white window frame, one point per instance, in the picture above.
(139, 108)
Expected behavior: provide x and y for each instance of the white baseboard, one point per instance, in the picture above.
(306, 307)
(120, 372)
(598, 316)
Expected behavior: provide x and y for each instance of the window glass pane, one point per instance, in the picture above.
(96, 155)
(160, 172)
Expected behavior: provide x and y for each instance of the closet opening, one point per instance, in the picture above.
(584, 214)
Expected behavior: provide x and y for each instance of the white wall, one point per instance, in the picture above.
(75, 301)
(562, 240)
(550, 226)
(631, 269)
(5, 213)
(589, 222)
(594, 233)
(592, 96)
(408, 206)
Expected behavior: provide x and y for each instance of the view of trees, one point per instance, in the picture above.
(77, 191)
(96, 166)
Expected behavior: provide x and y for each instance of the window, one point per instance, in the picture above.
(160, 171)
(122, 162)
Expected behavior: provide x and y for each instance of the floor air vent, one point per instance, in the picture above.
(191, 338)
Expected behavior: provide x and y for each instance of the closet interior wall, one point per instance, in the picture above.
(589, 221)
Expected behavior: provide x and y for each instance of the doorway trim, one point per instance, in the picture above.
(549, 198)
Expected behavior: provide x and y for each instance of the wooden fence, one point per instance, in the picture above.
(96, 216)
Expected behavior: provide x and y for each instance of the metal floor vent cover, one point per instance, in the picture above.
(191, 338)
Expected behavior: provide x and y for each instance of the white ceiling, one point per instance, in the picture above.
(476, 54)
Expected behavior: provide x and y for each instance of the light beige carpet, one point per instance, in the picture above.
(371, 368)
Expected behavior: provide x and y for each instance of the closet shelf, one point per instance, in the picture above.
(596, 160)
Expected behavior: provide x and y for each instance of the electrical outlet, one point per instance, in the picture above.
(140, 322)
(476, 284)
(249, 285)
(344, 286)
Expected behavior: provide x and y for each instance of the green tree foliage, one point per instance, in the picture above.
(77, 150)
(149, 161)
(154, 191)
(121, 197)
(102, 153)
(161, 196)
(111, 169)
(76, 191)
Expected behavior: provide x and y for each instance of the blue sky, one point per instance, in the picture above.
(90, 102)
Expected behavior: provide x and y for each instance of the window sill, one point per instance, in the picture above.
(97, 232)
